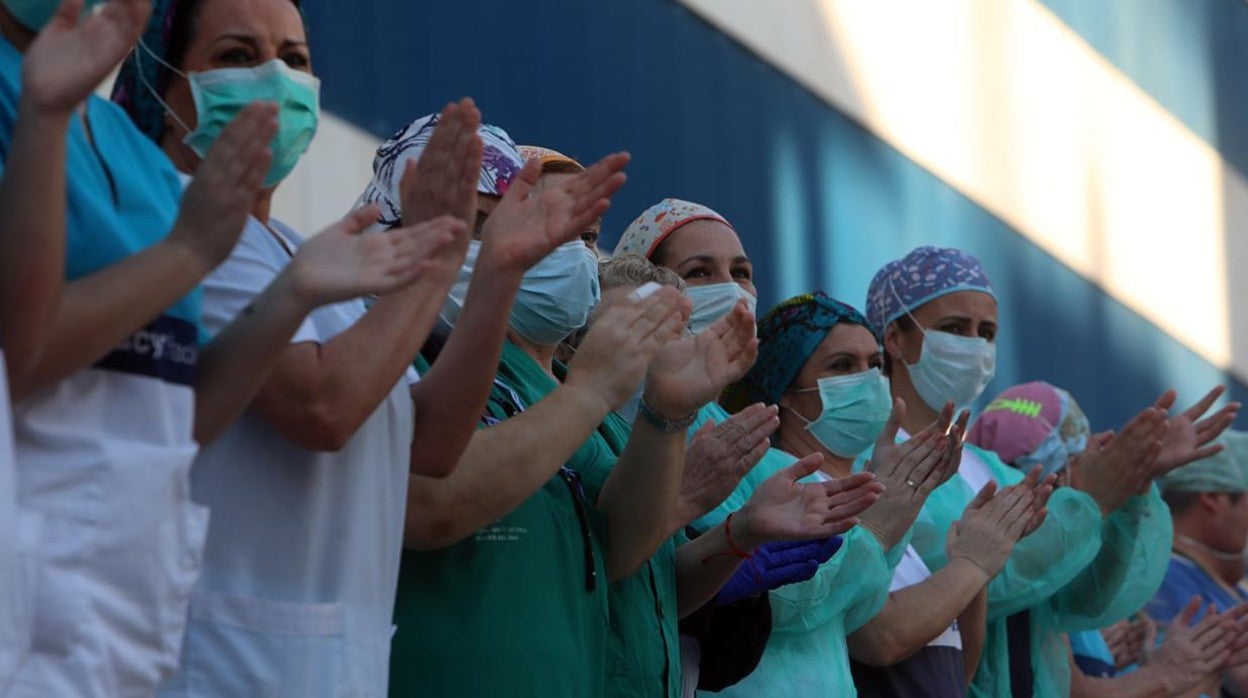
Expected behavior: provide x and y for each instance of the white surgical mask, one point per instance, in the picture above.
(950, 367)
(714, 301)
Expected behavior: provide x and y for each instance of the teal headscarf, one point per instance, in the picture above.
(787, 335)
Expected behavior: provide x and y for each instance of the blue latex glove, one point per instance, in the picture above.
(775, 564)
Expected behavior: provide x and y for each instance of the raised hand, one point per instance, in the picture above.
(774, 565)
(1125, 640)
(73, 54)
(692, 371)
(1187, 436)
(990, 526)
(216, 204)
(443, 181)
(643, 326)
(909, 472)
(719, 456)
(1124, 467)
(781, 508)
(527, 226)
(1191, 652)
(341, 263)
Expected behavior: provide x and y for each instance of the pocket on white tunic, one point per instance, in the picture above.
(241, 646)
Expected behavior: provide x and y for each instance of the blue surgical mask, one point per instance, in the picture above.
(1051, 455)
(35, 14)
(855, 408)
(714, 301)
(555, 295)
(221, 94)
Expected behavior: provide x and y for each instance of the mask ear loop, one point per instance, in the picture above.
(897, 296)
(151, 89)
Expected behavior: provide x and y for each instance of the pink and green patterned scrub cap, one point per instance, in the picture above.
(1032, 424)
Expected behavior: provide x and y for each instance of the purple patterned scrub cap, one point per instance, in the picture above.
(927, 273)
(500, 164)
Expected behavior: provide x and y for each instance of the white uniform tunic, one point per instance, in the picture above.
(19, 542)
(103, 455)
(302, 559)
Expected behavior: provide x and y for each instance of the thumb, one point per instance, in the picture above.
(67, 14)
(889, 435)
(703, 430)
(983, 496)
(524, 182)
(1150, 636)
(360, 219)
(802, 468)
(1189, 611)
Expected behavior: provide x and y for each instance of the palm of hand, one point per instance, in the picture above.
(1180, 441)
(69, 59)
(786, 510)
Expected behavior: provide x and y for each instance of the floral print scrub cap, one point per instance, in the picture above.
(787, 336)
(500, 164)
(644, 234)
(925, 274)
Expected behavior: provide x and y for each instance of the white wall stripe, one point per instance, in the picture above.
(1010, 106)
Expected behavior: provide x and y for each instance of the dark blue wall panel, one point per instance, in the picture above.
(819, 201)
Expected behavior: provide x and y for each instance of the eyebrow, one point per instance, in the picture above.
(703, 258)
(742, 260)
(251, 41)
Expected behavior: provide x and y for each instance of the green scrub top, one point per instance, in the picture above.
(510, 611)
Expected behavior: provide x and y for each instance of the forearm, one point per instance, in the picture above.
(32, 266)
(501, 467)
(451, 396)
(97, 312)
(917, 614)
(639, 496)
(234, 366)
(319, 395)
(973, 625)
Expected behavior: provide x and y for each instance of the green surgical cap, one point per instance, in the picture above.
(1222, 472)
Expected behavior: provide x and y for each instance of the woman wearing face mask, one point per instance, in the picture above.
(703, 249)
(308, 489)
(108, 416)
(820, 363)
(678, 581)
(938, 316)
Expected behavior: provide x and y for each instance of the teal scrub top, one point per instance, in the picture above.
(1076, 572)
(807, 655)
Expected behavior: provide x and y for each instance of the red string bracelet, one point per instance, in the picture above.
(734, 550)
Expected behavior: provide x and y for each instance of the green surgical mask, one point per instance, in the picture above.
(221, 94)
(34, 14)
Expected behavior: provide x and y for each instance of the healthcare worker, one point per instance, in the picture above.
(820, 364)
(937, 314)
(1209, 502)
(1039, 425)
(108, 416)
(703, 249)
(514, 536)
(681, 582)
(308, 489)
